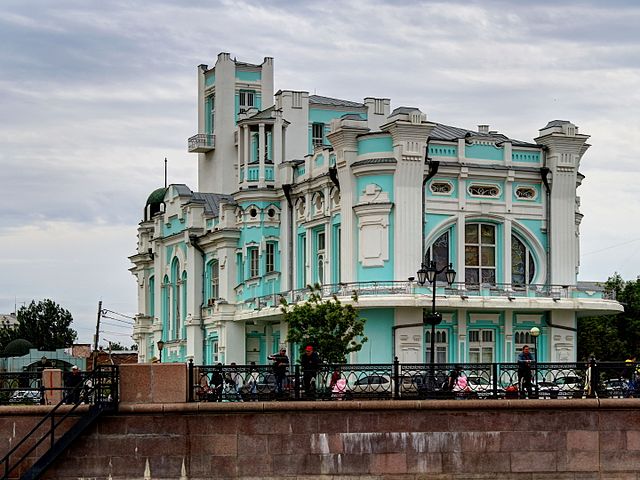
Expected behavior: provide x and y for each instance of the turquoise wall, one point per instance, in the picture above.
(385, 182)
(375, 144)
(534, 227)
(525, 156)
(436, 150)
(484, 152)
(173, 226)
(245, 76)
(377, 328)
(320, 115)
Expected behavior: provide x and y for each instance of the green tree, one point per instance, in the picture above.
(613, 337)
(45, 324)
(334, 329)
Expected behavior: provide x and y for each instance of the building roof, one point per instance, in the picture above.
(334, 102)
(374, 161)
(157, 196)
(403, 110)
(450, 134)
(267, 113)
(212, 201)
(556, 123)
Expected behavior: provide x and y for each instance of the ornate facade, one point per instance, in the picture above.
(297, 189)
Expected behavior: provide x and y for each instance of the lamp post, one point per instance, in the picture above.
(160, 347)
(535, 333)
(429, 272)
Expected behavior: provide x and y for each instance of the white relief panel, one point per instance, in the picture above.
(373, 226)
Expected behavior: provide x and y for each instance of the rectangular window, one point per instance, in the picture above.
(247, 100)
(254, 265)
(271, 257)
(480, 254)
(215, 281)
(481, 346)
(212, 104)
(317, 134)
(441, 346)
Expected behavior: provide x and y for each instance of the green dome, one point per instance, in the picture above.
(18, 347)
(157, 196)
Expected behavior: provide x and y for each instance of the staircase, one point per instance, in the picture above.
(99, 390)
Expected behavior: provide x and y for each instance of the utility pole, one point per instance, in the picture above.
(95, 338)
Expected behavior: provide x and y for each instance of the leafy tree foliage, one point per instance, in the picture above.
(45, 324)
(613, 337)
(334, 329)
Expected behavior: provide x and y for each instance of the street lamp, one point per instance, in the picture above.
(160, 347)
(429, 272)
(535, 333)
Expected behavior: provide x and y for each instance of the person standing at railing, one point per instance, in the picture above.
(525, 361)
(310, 362)
(280, 365)
(73, 382)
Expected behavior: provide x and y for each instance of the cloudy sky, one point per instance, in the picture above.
(95, 94)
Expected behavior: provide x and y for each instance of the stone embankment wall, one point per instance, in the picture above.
(474, 439)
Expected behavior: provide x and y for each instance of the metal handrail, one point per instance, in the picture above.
(401, 381)
(102, 391)
(512, 291)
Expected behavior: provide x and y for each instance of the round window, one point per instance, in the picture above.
(253, 212)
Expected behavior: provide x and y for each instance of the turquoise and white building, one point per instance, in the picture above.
(297, 189)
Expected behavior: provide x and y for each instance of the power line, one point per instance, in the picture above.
(611, 246)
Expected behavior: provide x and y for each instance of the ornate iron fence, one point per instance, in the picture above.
(403, 381)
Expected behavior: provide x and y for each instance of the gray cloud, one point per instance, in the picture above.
(95, 94)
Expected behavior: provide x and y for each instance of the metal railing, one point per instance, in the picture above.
(201, 141)
(98, 389)
(463, 290)
(403, 381)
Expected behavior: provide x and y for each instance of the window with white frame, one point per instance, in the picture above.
(480, 253)
(441, 346)
(214, 274)
(321, 254)
(254, 266)
(481, 346)
(523, 267)
(317, 134)
(247, 100)
(212, 112)
(270, 257)
(439, 252)
(522, 338)
(215, 351)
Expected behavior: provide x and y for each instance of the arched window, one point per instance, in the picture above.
(183, 304)
(439, 252)
(174, 317)
(523, 268)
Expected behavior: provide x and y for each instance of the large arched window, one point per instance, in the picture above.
(523, 268)
(152, 296)
(439, 252)
(174, 317)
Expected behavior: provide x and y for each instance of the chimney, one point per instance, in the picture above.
(483, 128)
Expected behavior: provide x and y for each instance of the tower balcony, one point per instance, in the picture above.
(201, 143)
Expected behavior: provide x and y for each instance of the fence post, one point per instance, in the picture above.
(396, 378)
(494, 376)
(296, 381)
(190, 375)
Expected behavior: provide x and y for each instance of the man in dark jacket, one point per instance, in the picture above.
(310, 362)
(280, 365)
(525, 360)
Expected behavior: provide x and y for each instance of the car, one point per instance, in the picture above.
(616, 387)
(482, 387)
(570, 386)
(370, 386)
(33, 397)
(547, 389)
